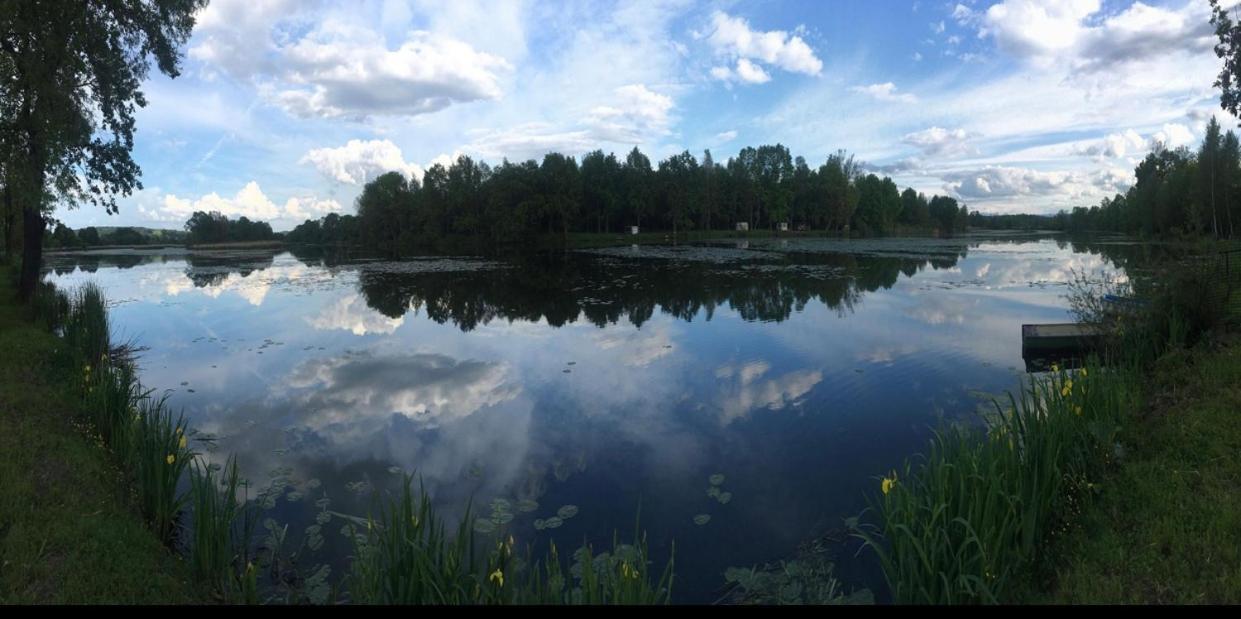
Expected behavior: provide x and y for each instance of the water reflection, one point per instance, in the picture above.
(599, 379)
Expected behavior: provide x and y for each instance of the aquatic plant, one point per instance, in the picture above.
(159, 456)
(221, 527)
(960, 524)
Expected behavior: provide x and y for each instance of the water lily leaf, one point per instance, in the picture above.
(395, 470)
(724, 498)
(713, 491)
(716, 479)
(539, 524)
(566, 512)
(527, 505)
(553, 522)
(702, 519)
(482, 525)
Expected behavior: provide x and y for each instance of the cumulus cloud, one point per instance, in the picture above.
(428, 389)
(886, 91)
(993, 182)
(351, 314)
(249, 201)
(635, 114)
(1121, 144)
(732, 38)
(726, 136)
(745, 390)
(358, 161)
(940, 142)
(1173, 135)
(1046, 31)
(340, 70)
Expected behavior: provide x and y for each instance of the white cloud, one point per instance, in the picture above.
(358, 161)
(1173, 135)
(351, 314)
(250, 202)
(726, 136)
(937, 141)
(343, 71)
(732, 37)
(1120, 144)
(338, 69)
(884, 92)
(937, 27)
(917, 56)
(1071, 31)
(751, 73)
(995, 182)
(634, 115)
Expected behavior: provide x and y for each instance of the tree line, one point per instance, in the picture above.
(762, 188)
(214, 227)
(1178, 192)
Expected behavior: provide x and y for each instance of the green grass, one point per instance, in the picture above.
(69, 531)
(1167, 527)
(407, 555)
(222, 525)
(966, 521)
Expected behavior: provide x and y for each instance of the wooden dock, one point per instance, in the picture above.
(1049, 343)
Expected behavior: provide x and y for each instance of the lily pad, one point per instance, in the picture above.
(395, 470)
(540, 524)
(713, 491)
(527, 505)
(716, 479)
(553, 522)
(702, 519)
(482, 525)
(566, 512)
(724, 498)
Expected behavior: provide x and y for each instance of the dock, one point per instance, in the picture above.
(1044, 344)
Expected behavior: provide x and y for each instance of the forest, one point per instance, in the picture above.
(763, 188)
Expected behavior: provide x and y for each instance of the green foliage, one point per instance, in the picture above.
(973, 515)
(221, 530)
(214, 227)
(86, 328)
(515, 203)
(407, 555)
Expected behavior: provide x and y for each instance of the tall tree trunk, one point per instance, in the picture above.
(9, 217)
(32, 251)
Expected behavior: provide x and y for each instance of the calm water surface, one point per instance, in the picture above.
(607, 380)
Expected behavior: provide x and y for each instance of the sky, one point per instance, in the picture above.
(285, 108)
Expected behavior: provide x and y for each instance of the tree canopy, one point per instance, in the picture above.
(70, 77)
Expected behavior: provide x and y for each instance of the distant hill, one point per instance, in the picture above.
(161, 235)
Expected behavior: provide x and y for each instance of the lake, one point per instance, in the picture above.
(612, 380)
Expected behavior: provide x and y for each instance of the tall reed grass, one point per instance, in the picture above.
(973, 514)
(222, 526)
(408, 556)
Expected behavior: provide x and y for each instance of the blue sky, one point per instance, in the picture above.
(286, 107)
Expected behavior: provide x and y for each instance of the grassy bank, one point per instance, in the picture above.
(1166, 528)
(70, 531)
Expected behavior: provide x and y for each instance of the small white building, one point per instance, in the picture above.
(743, 226)
(633, 229)
(783, 226)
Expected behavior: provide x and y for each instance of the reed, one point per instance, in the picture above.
(960, 524)
(222, 523)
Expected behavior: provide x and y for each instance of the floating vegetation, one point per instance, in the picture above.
(713, 492)
(566, 512)
(724, 498)
(484, 526)
(395, 470)
(553, 523)
(539, 524)
(527, 505)
(702, 519)
(716, 479)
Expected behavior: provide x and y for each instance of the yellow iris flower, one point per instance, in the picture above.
(497, 577)
(170, 459)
